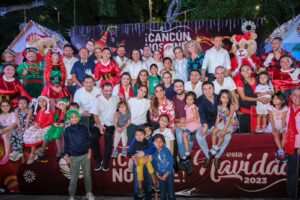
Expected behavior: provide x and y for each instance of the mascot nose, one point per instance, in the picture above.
(241, 51)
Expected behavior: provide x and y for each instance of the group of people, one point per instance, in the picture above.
(154, 106)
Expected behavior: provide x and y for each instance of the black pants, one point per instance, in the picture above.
(108, 136)
(244, 121)
(292, 169)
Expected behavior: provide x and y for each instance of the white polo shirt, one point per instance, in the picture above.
(105, 109)
(198, 88)
(139, 109)
(148, 62)
(228, 84)
(85, 98)
(69, 64)
(214, 58)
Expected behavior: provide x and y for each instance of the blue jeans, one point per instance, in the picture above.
(147, 183)
(179, 132)
(167, 188)
(203, 144)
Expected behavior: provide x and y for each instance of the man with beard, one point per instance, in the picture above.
(208, 110)
(121, 59)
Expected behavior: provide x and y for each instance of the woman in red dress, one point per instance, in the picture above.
(10, 88)
(107, 70)
(55, 77)
(288, 77)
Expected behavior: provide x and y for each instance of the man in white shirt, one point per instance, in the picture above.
(215, 57)
(223, 82)
(147, 57)
(195, 83)
(69, 61)
(85, 96)
(103, 109)
(121, 59)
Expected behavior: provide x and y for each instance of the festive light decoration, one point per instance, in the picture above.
(173, 12)
(248, 26)
(5, 10)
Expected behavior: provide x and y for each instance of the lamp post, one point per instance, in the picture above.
(58, 18)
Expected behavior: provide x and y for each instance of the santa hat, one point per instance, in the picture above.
(8, 51)
(35, 103)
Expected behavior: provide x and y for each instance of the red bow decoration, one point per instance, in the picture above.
(246, 36)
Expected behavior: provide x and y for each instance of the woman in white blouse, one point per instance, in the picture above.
(135, 65)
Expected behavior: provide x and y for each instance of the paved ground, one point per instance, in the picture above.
(37, 197)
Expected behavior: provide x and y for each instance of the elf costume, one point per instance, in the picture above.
(32, 72)
(55, 77)
(55, 132)
(109, 72)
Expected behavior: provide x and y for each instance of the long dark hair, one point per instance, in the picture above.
(155, 65)
(125, 74)
(5, 101)
(192, 94)
(155, 102)
(225, 91)
(111, 56)
(141, 59)
(280, 96)
(138, 80)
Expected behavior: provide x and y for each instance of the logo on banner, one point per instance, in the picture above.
(177, 36)
(246, 168)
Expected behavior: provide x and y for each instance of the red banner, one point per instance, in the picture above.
(248, 169)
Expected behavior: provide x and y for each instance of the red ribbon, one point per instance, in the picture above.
(246, 36)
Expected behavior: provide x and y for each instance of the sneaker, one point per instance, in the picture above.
(258, 130)
(207, 162)
(12, 156)
(280, 156)
(115, 153)
(217, 163)
(141, 193)
(90, 196)
(71, 198)
(18, 156)
(124, 152)
(155, 187)
(98, 166)
(213, 151)
(105, 168)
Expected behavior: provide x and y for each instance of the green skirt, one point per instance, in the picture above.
(54, 133)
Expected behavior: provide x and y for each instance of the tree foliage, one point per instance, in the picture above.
(92, 12)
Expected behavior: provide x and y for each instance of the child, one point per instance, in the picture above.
(78, 152)
(192, 122)
(168, 66)
(7, 124)
(34, 135)
(263, 90)
(122, 121)
(56, 130)
(23, 120)
(226, 122)
(163, 164)
(277, 125)
(164, 121)
(137, 145)
(168, 85)
(154, 78)
(157, 61)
